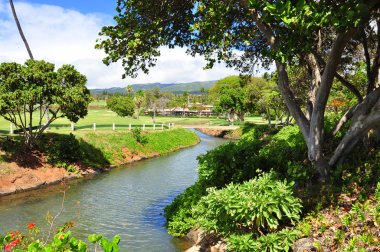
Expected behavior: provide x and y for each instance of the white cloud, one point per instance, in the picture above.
(65, 36)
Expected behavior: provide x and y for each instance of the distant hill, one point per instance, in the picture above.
(191, 87)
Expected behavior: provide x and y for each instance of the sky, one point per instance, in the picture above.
(65, 31)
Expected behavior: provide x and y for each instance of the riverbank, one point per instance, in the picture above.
(69, 157)
(227, 132)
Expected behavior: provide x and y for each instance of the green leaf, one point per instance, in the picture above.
(94, 238)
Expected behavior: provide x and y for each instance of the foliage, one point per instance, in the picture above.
(62, 149)
(62, 241)
(260, 205)
(139, 99)
(285, 153)
(179, 212)
(232, 162)
(349, 225)
(35, 88)
(121, 105)
(138, 136)
(273, 242)
(322, 36)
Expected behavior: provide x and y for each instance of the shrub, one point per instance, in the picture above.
(62, 241)
(261, 205)
(138, 136)
(285, 154)
(273, 242)
(232, 162)
(61, 149)
(179, 212)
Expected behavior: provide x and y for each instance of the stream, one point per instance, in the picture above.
(128, 201)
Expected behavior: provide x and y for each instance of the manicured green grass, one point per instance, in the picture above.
(105, 118)
(116, 146)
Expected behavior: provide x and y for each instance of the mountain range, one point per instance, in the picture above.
(190, 87)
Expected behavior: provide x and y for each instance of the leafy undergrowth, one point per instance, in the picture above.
(230, 202)
(353, 224)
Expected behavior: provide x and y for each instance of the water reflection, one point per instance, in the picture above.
(128, 201)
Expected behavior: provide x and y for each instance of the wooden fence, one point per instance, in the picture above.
(95, 127)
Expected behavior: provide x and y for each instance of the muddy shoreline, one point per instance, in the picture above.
(23, 179)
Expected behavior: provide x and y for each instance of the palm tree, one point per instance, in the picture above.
(129, 90)
(139, 100)
(20, 30)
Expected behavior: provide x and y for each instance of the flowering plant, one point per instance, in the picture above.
(62, 241)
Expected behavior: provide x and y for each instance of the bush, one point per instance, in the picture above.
(285, 154)
(138, 136)
(273, 242)
(61, 149)
(179, 213)
(232, 162)
(63, 240)
(260, 205)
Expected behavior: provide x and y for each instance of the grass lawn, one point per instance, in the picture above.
(105, 118)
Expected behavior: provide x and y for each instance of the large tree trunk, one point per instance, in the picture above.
(313, 129)
(316, 136)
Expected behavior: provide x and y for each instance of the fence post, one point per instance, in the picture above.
(154, 126)
(130, 126)
(94, 126)
(162, 126)
(168, 125)
(113, 127)
(11, 128)
(143, 126)
(72, 126)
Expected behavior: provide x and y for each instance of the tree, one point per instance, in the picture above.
(321, 36)
(152, 99)
(122, 105)
(35, 88)
(129, 90)
(139, 100)
(231, 101)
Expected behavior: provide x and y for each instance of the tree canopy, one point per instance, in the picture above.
(36, 88)
(325, 37)
(122, 105)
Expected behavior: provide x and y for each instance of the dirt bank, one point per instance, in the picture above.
(16, 177)
(221, 132)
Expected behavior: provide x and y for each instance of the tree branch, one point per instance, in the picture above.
(357, 129)
(283, 79)
(345, 82)
(350, 86)
(317, 119)
(316, 81)
(367, 61)
(20, 29)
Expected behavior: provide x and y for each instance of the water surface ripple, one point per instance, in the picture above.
(128, 201)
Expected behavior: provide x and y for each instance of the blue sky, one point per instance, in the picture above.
(84, 6)
(65, 31)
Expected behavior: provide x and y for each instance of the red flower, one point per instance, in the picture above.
(31, 225)
(61, 236)
(8, 248)
(14, 243)
(11, 234)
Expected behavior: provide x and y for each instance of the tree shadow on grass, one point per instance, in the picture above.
(52, 149)
(13, 150)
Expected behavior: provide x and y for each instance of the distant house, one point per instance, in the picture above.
(201, 110)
